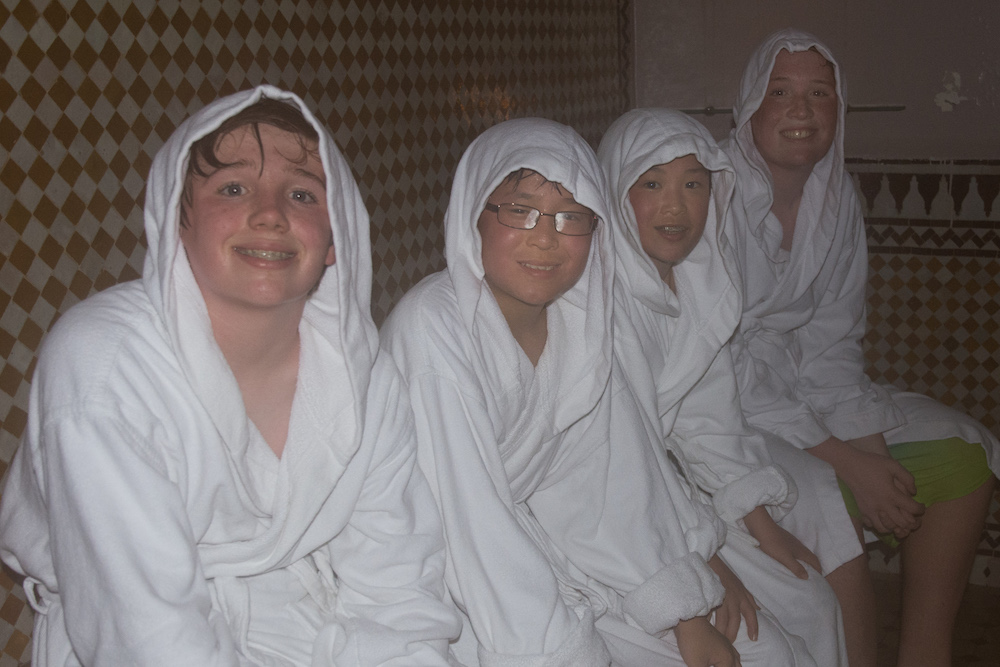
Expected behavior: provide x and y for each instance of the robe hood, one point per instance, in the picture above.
(579, 344)
(636, 142)
(338, 338)
(705, 311)
(823, 191)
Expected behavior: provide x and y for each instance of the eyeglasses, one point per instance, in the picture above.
(570, 223)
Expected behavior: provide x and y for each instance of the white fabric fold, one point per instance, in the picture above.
(798, 352)
(150, 506)
(551, 492)
(681, 339)
(674, 348)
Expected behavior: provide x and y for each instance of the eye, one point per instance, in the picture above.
(304, 197)
(572, 216)
(232, 190)
(649, 185)
(693, 184)
(518, 210)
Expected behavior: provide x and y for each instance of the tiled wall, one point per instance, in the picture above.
(934, 295)
(90, 90)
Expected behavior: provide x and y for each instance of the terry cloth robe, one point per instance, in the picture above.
(152, 521)
(678, 343)
(798, 351)
(550, 525)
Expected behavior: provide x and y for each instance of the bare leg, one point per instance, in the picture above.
(936, 560)
(853, 585)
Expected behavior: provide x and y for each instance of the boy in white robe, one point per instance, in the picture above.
(219, 465)
(678, 291)
(567, 545)
(800, 242)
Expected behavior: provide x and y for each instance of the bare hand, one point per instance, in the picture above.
(701, 645)
(883, 488)
(736, 604)
(779, 544)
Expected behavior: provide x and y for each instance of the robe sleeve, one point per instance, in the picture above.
(131, 587)
(727, 458)
(831, 375)
(390, 558)
(496, 571)
(624, 518)
(769, 402)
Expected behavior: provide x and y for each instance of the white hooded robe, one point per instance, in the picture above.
(798, 352)
(681, 347)
(554, 514)
(152, 521)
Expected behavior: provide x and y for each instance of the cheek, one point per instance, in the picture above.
(578, 249)
(643, 206)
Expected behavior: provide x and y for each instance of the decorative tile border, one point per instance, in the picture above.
(934, 297)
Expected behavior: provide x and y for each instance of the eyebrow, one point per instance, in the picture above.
(252, 164)
(827, 82)
(321, 180)
(693, 170)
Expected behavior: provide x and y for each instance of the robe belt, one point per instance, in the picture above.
(39, 597)
(231, 595)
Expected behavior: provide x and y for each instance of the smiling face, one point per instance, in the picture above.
(257, 232)
(527, 269)
(670, 202)
(795, 124)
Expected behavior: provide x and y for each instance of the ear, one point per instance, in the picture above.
(331, 255)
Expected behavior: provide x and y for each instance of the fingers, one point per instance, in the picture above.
(810, 559)
(727, 622)
(796, 568)
(750, 616)
(903, 476)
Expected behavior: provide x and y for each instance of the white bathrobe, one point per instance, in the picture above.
(798, 352)
(553, 514)
(678, 343)
(152, 521)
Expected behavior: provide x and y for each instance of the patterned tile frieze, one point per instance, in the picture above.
(934, 297)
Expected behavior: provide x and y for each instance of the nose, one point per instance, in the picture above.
(801, 107)
(544, 235)
(269, 213)
(673, 206)
(671, 201)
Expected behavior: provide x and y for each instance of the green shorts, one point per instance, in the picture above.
(942, 469)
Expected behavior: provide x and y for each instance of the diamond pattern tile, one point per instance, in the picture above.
(934, 298)
(90, 90)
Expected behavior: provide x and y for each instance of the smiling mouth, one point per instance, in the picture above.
(797, 134)
(269, 255)
(538, 267)
(668, 229)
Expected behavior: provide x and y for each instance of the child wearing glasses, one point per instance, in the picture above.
(571, 540)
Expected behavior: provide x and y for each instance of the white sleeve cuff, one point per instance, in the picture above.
(582, 648)
(770, 486)
(683, 589)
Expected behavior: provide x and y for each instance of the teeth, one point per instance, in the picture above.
(671, 230)
(270, 255)
(539, 268)
(797, 134)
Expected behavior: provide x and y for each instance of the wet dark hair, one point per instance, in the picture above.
(516, 177)
(203, 160)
